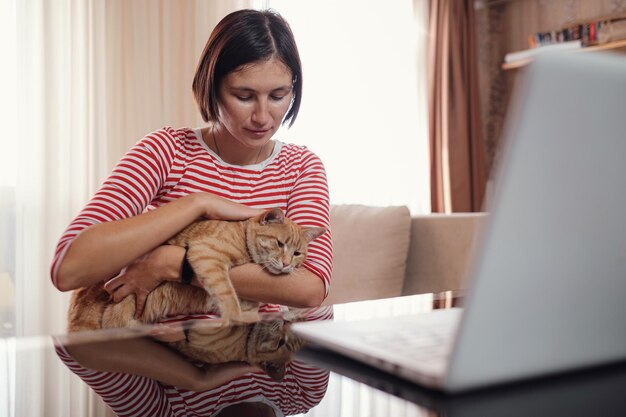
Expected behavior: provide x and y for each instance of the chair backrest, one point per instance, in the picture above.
(370, 246)
(440, 251)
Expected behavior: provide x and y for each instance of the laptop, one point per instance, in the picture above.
(547, 285)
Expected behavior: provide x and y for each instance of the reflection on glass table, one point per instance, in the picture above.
(275, 383)
(38, 375)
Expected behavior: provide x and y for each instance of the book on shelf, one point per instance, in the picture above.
(592, 32)
(517, 56)
(575, 36)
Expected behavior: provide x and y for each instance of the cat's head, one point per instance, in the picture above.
(271, 346)
(277, 243)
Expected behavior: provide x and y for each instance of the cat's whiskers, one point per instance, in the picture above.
(296, 271)
(264, 265)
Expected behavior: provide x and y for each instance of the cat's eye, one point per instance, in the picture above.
(296, 253)
(280, 244)
(281, 343)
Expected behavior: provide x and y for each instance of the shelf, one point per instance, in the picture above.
(594, 48)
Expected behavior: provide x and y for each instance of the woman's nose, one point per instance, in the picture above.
(260, 114)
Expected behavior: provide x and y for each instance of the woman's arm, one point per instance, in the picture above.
(302, 288)
(138, 356)
(102, 250)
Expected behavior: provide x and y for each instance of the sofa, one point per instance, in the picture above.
(382, 252)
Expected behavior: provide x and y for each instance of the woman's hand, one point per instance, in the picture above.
(216, 375)
(145, 274)
(219, 208)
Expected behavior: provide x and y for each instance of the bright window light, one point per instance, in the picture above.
(364, 110)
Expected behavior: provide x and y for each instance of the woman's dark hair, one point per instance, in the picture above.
(241, 38)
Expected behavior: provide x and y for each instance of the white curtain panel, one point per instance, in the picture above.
(85, 80)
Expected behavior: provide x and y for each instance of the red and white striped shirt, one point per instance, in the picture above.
(171, 163)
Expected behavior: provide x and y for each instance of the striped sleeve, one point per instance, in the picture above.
(309, 205)
(127, 395)
(133, 184)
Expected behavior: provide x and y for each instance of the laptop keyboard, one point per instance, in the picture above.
(410, 337)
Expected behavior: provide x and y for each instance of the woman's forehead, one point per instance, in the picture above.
(259, 76)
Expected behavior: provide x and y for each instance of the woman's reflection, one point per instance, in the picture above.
(252, 364)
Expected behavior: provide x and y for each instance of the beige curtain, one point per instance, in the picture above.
(457, 151)
(92, 77)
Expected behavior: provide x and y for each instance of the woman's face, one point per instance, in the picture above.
(254, 100)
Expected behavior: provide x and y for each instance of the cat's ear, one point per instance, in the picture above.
(273, 216)
(311, 233)
(274, 370)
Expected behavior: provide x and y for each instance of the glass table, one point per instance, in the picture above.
(37, 379)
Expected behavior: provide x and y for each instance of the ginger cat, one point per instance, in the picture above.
(213, 247)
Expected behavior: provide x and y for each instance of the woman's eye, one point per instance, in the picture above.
(277, 98)
(244, 98)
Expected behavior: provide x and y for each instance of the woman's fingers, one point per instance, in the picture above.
(121, 293)
(220, 208)
(140, 302)
(120, 290)
(113, 284)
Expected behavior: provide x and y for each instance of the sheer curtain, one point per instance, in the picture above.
(81, 82)
(46, 120)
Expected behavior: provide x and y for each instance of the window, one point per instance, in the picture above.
(364, 109)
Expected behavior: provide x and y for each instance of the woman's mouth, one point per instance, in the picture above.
(258, 132)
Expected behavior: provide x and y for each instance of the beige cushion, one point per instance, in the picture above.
(370, 247)
(441, 248)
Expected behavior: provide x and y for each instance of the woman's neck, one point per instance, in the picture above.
(231, 151)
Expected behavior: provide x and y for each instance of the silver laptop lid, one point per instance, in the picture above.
(548, 286)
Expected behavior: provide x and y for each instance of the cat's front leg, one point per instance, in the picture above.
(249, 311)
(211, 269)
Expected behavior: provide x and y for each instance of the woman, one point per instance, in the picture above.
(248, 82)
